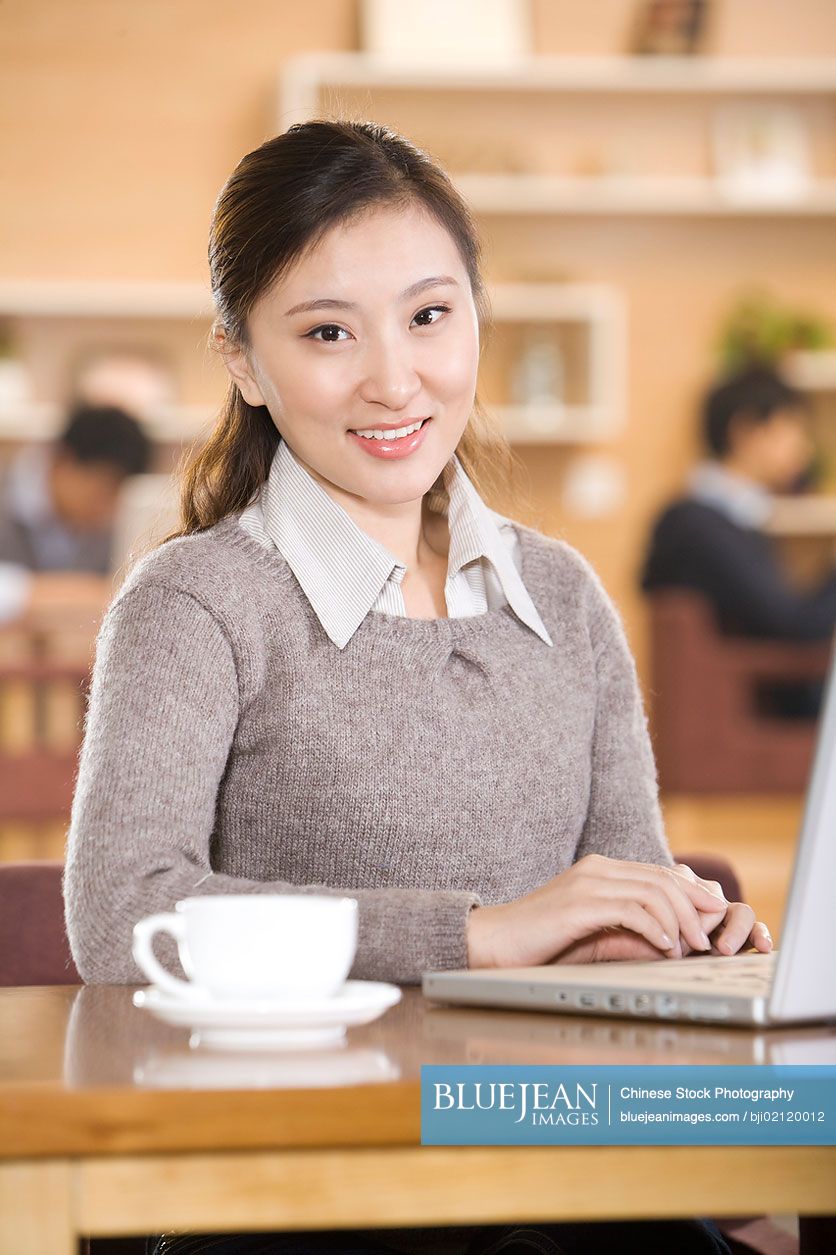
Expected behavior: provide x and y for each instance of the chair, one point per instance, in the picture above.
(708, 734)
(34, 949)
(42, 701)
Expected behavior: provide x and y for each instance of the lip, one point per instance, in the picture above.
(400, 448)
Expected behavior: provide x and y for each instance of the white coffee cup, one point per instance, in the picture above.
(241, 947)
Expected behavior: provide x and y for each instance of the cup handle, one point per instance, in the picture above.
(145, 958)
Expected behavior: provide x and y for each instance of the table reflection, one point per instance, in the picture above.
(109, 1041)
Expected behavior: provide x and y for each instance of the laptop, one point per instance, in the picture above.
(794, 985)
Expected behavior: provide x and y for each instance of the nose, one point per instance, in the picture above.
(389, 374)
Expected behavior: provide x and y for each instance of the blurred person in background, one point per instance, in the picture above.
(713, 540)
(58, 503)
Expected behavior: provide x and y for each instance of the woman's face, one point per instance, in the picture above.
(374, 329)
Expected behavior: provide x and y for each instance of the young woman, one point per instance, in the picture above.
(346, 673)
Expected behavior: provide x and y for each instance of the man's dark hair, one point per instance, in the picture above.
(756, 394)
(105, 433)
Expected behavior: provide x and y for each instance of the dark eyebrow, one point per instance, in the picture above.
(324, 302)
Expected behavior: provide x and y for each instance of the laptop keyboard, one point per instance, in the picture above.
(748, 973)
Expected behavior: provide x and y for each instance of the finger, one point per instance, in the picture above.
(711, 920)
(648, 896)
(692, 904)
(711, 890)
(604, 912)
(705, 893)
(761, 938)
(735, 930)
(611, 945)
(684, 896)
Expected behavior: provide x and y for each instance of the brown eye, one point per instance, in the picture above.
(431, 309)
(327, 329)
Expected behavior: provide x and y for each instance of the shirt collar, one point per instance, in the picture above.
(742, 500)
(476, 532)
(342, 570)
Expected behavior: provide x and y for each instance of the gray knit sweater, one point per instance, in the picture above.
(430, 766)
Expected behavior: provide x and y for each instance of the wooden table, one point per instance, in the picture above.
(110, 1123)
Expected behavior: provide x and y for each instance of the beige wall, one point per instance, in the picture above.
(121, 121)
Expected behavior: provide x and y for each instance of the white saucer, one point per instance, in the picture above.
(266, 1023)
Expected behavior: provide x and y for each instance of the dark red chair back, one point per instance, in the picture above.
(33, 940)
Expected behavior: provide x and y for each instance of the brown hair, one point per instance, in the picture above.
(277, 204)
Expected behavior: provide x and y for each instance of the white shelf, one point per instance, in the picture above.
(813, 371)
(41, 420)
(554, 302)
(302, 78)
(104, 298)
(554, 424)
(640, 195)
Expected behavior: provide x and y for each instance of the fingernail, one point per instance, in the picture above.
(668, 943)
(706, 944)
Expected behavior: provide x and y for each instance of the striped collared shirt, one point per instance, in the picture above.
(345, 574)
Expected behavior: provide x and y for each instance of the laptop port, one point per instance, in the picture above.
(666, 1004)
(641, 1003)
(587, 1000)
(617, 1002)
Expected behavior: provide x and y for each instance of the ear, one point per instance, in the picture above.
(238, 365)
(740, 428)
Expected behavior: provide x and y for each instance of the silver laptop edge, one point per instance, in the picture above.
(796, 985)
(804, 987)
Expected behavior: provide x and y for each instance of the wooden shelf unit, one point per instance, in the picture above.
(305, 78)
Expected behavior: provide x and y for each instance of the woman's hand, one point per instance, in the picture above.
(611, 909)
(736, 928)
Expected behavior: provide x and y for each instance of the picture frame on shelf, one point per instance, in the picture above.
(670, 28)
(761, 152)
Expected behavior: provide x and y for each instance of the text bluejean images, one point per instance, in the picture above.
(601, 1105)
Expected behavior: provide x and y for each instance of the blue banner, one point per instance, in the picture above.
(616, 1106)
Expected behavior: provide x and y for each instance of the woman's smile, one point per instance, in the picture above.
(392, 442)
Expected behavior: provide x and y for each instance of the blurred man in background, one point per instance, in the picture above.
(713, 541)
(57, 508)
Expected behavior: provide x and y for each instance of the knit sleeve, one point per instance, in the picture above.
(162, 714)
(623, 818)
